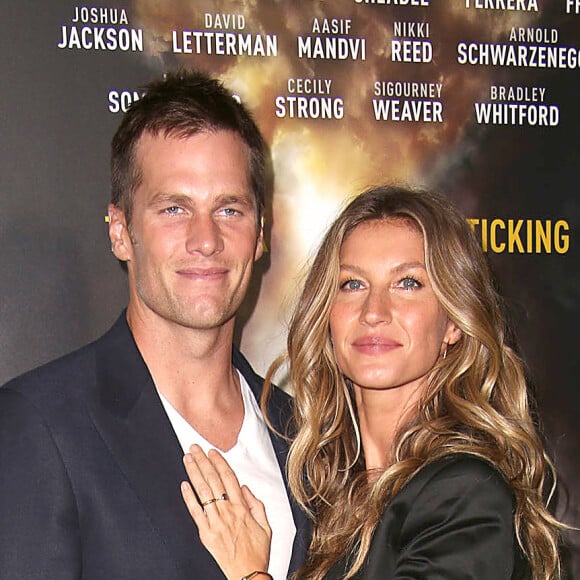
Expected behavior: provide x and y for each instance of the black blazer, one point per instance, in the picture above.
(452, 521)
(90, 469)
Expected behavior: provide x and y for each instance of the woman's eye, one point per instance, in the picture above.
(410, 283)
(351, 285)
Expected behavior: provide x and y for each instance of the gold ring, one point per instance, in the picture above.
(223, 496)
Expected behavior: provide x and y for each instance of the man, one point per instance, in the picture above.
(91, 445)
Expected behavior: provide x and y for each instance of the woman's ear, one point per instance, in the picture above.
(452, 333)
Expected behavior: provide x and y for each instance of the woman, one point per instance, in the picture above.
(415, 452)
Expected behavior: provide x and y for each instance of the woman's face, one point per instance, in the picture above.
(387, 325)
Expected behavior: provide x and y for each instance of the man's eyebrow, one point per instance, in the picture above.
(165, 197)
(241, 198)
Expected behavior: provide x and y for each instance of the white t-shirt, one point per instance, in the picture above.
(254, 462)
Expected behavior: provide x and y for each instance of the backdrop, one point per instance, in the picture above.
(476, 98)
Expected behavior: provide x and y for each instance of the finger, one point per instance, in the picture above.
(193, 507)
(196, 476)
(257, 509)
(227, 476)
(208, 472)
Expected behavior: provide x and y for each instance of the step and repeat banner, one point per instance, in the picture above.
(479, 99)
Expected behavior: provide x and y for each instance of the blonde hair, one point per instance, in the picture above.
(475, 401)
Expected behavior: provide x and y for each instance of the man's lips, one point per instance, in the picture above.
(375, 344)
(206, 274)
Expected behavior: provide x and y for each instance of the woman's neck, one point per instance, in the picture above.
(381, 414)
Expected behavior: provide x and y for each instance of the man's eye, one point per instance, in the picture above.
(352, 285)
(172, 210)
(230, 211)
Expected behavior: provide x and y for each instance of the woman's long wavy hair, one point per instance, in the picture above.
(475, 400)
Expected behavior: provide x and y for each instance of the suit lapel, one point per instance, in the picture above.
(130, 417)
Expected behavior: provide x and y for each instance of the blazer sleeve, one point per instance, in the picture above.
(39, 532)
(458, 526)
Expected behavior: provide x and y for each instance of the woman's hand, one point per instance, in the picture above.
(232, 523)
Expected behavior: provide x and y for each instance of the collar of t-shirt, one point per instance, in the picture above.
(254, 462)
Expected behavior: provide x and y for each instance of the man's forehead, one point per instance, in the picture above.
(158, 159)
(152, 146)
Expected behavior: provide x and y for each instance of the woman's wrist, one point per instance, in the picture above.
(257, 573)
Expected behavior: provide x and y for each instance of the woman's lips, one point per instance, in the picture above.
(375, 344)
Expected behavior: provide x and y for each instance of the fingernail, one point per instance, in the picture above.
(187, 458)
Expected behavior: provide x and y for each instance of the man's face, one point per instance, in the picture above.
(194, 234)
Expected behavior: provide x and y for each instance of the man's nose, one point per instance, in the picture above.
(204, 236)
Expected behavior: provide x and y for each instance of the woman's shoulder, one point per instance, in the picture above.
(456, 512)
(456, 483)
(458, 470)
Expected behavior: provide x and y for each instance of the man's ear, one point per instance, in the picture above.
(121, 244)
(260, 244)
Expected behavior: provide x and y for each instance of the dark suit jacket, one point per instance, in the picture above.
(90, 470)
(452, 521)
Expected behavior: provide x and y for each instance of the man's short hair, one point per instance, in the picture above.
(183, 104)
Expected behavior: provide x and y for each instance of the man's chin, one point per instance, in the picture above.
(205, 317)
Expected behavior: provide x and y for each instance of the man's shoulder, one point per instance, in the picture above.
(68, 373)
(57, 372)
(49, 395)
